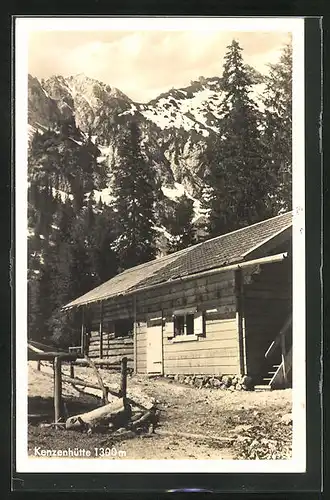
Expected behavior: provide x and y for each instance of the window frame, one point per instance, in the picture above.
(185, 337)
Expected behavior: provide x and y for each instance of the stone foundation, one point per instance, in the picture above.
(223, 382)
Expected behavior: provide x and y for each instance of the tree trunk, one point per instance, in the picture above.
(116, 413)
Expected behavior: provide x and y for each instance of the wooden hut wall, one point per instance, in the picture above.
(113, 347)
(141, 350)
(267, 304)
(214, 352)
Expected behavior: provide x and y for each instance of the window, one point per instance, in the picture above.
(183, 324)
(123, 328)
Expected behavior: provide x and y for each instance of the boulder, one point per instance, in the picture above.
(247, 383)
(216, 383)
(199, 383)
(227, 380)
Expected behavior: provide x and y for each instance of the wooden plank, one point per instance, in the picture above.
(57, 388)
(219, 354)
(83, 330)
(204, 370)
(202, 362)
(200, 344)
(213, 326)
(101, 331)
(109, 352)
(123, 379)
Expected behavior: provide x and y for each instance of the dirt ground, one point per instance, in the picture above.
(253, 419)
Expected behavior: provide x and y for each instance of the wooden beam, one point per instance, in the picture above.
(83, 332)
(99, 379)
(44, 356)
(98, 361)
(57, 388)
(101, 331)
(89, 385)
(123, 379)
(240, 321)
(134, 334)
(283, 353)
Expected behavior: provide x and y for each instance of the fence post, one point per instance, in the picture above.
(57, 388)
(123, 381)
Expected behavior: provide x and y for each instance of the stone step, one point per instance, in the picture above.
(262, 388)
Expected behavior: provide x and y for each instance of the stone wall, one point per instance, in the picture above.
(224, 382)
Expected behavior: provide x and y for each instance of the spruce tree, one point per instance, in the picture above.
(237, 167)
(60, 254)
(133, 191)
(180, 225)
(103, 234)
(278, 128)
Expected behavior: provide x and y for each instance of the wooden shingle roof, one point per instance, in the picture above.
(217, 252)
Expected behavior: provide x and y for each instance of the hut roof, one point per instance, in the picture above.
(217, 252)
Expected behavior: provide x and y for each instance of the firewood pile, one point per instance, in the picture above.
(266, 441)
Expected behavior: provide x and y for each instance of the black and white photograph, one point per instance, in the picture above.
(160, 255)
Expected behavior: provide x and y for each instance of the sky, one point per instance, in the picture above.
(145, 63)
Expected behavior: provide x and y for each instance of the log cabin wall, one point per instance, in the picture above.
(113, 347)
(213, 352)
(267, 304)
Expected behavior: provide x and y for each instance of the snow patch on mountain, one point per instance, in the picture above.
(175, 192)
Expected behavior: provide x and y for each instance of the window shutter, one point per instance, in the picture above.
(199, 324)
(169, 328)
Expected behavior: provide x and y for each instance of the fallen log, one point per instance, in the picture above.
(196, 437)
(147, 417)
(116, 413)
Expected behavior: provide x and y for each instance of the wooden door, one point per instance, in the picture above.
(155, 349)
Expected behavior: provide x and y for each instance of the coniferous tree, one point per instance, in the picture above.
(237, 168)
(278, 128)
(60, 256)
(133, 191)
(103, 234)
(180, 225)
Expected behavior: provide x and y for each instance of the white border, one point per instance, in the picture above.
(24, 26)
